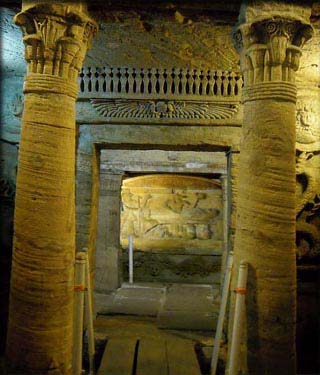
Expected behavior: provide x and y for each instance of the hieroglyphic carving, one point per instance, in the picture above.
(170, 217)
(163, 109)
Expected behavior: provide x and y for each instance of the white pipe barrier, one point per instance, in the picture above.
(89, 320)
(222, 312)
(238, 319)
(226, 220)
(130, 241)
(225, 214)
(79, 288)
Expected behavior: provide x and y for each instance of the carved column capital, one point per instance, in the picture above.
(56, 37)
(270, 45)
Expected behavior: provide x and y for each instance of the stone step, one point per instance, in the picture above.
(176, 306)
(199, 321)
(188, 306)
(137, 299)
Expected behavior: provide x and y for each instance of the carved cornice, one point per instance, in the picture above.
(270, 49)
(56, 38)
(164, 109)
(160, 95)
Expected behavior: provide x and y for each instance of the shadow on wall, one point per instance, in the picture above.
(6, 235)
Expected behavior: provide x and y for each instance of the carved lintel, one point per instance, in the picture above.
(163, 109)
(56, 38)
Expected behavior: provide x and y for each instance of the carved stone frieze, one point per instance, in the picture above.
(56, 38)
(166, 109)
(108, 81)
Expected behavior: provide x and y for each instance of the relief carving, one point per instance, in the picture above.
(308, 198)
(163, 218)
(308, 179)
(307, 123)
(17, 105)
(308, 230)
(139, 109)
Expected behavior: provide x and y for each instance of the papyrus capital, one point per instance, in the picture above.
(269, 39)
(56, 37)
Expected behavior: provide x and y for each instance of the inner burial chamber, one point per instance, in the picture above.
(177, 227)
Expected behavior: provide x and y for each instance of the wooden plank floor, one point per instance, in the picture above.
(118, 357)
(128, 356)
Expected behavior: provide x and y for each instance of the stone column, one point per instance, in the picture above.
(269, 37)
(108, 243)
(56, 36)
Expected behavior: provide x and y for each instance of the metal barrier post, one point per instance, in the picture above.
(79, 289)
(222, 312)
(130, 241)
(89, 316)
(238, 319)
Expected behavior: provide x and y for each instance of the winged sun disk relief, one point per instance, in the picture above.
(162, 109)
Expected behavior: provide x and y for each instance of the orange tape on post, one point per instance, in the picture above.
(80, 288)
(240, 290)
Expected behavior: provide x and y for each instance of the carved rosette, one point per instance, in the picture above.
(270, 49)
(56, 39)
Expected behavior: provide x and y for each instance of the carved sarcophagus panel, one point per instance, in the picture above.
(172, 213)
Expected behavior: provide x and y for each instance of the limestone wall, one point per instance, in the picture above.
(168, 36)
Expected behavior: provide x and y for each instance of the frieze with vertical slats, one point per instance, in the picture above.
(113, 82)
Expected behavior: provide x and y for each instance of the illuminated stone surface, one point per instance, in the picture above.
(172, 212)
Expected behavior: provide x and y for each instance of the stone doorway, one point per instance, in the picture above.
(155, 293)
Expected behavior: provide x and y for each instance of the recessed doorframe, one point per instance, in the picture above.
(114, 186)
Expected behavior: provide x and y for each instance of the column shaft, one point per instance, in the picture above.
(42, 283)
(265, 234)
(41, 301)
(269, 38)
